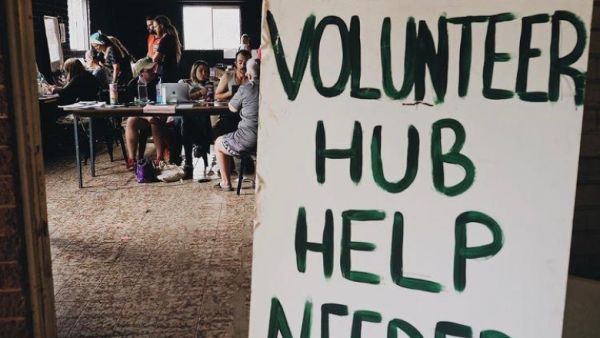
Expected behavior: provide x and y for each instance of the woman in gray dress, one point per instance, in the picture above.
(243, 139)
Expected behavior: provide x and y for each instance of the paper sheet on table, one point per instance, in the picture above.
(84, 105)
(154, 109)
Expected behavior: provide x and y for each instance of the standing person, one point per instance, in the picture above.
(193, 130)
(243, 139)
(116, 57)
(93, 61)
(168, 49)
(151, 36)
(245, 43)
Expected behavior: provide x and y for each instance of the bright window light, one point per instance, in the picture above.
(79, 29)
(211, 27)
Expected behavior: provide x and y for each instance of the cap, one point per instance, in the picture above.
(98, 38)
(141, 64)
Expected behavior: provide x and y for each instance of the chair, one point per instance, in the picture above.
(109, 134)
(244, 162)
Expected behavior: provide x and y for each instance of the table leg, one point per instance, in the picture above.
(92, 155)
(77, 155)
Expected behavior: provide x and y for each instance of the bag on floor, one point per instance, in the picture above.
(170, 173)
(144, 171)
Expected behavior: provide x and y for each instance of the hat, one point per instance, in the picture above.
(141, 64)
(98, 38)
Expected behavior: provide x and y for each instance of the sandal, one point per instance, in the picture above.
(131, 164)
(218, 186)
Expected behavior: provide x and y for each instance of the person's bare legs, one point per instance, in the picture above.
(223, 159)
(156, 126)
(132, 135)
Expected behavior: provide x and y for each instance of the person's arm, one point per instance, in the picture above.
(158, 57)
(132, 90)
(116, 72)
(68, 94)
(164, 46)
(222, 93)
(235, 104)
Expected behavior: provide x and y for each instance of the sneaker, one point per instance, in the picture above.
(159, 164)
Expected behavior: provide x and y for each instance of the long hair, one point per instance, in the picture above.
(73, 67)
(195, 66)
(94, 56)
(170, 30)
(121, 48)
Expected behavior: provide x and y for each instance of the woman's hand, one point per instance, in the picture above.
(198, 93)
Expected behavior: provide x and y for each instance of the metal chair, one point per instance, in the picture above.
(244, 162)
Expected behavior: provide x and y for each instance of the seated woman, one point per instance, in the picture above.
(81, 84)
(190, 130)
(144, 71)
(93, 61)
(243, 140)
(228, 84)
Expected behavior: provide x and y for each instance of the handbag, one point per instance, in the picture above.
(144, 171)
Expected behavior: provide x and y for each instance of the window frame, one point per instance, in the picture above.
(212, 24)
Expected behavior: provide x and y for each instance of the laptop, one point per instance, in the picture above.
(176, 92)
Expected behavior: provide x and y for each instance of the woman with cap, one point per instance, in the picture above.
(116, 57)
(144, 71)
(168, 49)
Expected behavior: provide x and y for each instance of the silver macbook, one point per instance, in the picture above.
(176, 92)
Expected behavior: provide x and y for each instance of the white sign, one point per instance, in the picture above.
(54, 46)
(418, 165)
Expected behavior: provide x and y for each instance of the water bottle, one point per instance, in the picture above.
(142, 91)
(159, 98)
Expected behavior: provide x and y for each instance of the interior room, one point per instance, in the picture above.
(162, 258)
(149, 228)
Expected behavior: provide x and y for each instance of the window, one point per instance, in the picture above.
(211, 27)
(79, 29)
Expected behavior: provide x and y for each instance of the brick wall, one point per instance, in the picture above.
(14, 317)
(585, 246)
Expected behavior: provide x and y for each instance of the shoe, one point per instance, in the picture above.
(188, 172)
(204, 176)
(218, 186)
(159, 164)
(130, 164)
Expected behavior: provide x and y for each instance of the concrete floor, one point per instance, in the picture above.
(173, 260)
(157, 260)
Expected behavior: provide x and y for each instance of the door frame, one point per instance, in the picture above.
(23, 103)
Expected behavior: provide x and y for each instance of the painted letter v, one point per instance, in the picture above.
(291, 84)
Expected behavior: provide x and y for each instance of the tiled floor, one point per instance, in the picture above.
(157, 260)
